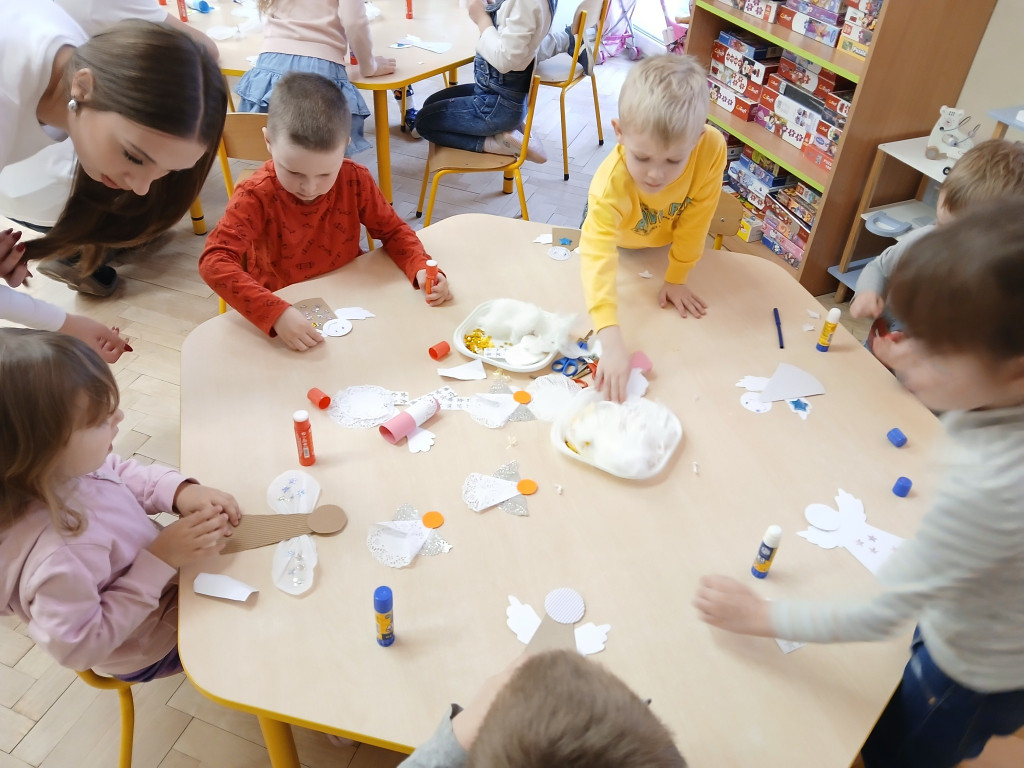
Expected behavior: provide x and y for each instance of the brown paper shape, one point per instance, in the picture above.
(552, 636)
(263, 530)
(316, 310)
(565, 233)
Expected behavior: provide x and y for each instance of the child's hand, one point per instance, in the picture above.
(192, 497)
(296, 331)
(439, 291)
(384, 66)
(13, 268)
(613, 368)
(867, 304)
(104, 340)
(683, 299)
(191, 538)
(725, 603)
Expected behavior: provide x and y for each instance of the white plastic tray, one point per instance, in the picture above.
(471, 322)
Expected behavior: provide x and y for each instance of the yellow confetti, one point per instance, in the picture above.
(476, 341)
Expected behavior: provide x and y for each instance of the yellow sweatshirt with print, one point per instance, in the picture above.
(618, 214)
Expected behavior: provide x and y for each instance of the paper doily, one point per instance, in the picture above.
(363, 407)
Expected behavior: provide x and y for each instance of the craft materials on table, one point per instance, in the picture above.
(778, 326)
(223, 586)
(788, 383)
(513, 335)
(366, 406)
(383, 609)
(319, 398)
(397, 542)
(846, 527)
(431, 277)
(255, 531)
(304, 438)
(402, 425)
(564, 607)
(825, 340)
(500, 489)
(293, 564)
(766, 552)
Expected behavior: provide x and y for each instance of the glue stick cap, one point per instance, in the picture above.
(896, 437)
(383, 601)
(300, 416)
(902, 487)
(773, 536)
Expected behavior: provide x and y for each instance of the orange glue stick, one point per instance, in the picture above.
(304, 438)
(182, 11)
(431, 275)
(408, 13)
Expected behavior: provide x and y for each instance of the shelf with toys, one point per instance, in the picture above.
(814, 113)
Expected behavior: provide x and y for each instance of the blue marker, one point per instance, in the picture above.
(766, 552)
(778, 327)
(383, 606)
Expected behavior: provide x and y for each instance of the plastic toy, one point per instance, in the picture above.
(950, 137)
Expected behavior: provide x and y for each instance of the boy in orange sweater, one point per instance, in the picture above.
(659, 187)
(298, 216)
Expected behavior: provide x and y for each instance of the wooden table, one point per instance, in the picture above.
(635, 550)
(433, 21)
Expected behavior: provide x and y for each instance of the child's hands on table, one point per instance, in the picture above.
(13, 268)
(296, 331)
(192, 497)
(382, 66)
(104, 340)
(439, 291)
(727, 604)
(683, 299)
(613, 369)
(191, 538)
(867, 304)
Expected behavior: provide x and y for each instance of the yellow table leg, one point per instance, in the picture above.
(383, 134)
(280, 743)
(198, 221)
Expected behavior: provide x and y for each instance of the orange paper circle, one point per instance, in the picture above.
(527, 487)
(433, 520)
(522, 396)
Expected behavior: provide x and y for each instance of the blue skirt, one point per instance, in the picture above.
(256, 85)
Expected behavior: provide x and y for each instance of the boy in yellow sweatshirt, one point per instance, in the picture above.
(660, 186)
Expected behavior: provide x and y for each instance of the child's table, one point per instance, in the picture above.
(635, 550)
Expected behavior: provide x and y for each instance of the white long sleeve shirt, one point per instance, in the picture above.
(961, 576)
(513, 44)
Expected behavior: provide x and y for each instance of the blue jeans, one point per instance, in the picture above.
(934, 722)
(464, 115)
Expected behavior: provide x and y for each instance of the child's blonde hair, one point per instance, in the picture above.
(310, 111)
(53, 384)
(666, 97)
(992, 170)
(559, 709)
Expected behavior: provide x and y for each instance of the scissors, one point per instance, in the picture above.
(571, 366)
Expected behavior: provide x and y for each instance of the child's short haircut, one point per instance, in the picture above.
(309, 111)
(558, 709)
(666, 97)
(992, 170)
(960, 289)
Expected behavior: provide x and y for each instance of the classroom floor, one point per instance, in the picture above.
(48, 717)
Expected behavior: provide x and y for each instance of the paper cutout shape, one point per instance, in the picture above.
(544, 239)
(293, 565)
(636, 385)
(565, 605)
(808, 326)
(800, 407)
(753, 403)
(492, 410)
(591, 638)
(220, 585)
(789, 382)
(567, 237)
(517, 504)
(753, 383)
(426, 45)
(646, 274)
(472, 371)
(434, 545)
(418, 413)
(521, 619)
(847, 528)
(255, 531)
(551, 394)
(788, 646)
(420, 440)
(365, 406)
(448, 399)
(482, 492)
(813, 314)
(316, 310)
(546, 634)
(396, 543)
(559, 253)
(336, 327)
(353, 313)
(509, 323)
(293, 492)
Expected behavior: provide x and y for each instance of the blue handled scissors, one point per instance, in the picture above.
(567, 366)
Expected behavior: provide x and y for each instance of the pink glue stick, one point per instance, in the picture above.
(417, 414)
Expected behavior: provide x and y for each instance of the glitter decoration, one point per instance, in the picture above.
(477, 341)
(517, 504)
(434, 545)
(522, 413)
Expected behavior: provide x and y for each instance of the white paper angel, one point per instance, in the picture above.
(847, 528)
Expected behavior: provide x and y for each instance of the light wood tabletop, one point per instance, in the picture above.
(634, 550)
(438, 21)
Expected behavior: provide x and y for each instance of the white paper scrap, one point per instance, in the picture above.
(788, 646)
(420, 440)
(646, 274)
(473, 371)
(353, 313)
(522, 620)
(220, 585)
(591, 638)
(789, 382)
(395, 543)
(544, 239)
(481, 492)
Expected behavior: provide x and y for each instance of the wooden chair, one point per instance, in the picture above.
(445, 160)
(726, 221)
(553, 71)
(124, 693)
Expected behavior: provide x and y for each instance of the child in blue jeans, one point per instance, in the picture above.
(958, 292)
(485, 116)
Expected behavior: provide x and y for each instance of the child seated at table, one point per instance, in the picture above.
(81, 564)
(992, 170)
(958, 291)
(659, 187)
(550, 709)
(298, 216)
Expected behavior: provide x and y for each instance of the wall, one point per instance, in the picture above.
(995, 79)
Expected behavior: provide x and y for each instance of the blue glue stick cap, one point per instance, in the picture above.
(902, 487)
(896, 437)
(383, 601)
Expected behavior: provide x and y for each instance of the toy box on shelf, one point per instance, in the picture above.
(756, 71)
(805, 25)
(859, 27)
(730, 101)
(749, 45)
(821, 10)
(762, 9)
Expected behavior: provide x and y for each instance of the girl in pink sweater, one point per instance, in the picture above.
(314, 36)
(81, 564)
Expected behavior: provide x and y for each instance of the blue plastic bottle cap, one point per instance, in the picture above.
(383, 601)
(896, 437)
(902, 487)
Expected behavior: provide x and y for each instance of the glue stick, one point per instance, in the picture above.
(431, 275)
(828, 329)
(766, 552)
(383, 607)
(182, 11)
(304, 438)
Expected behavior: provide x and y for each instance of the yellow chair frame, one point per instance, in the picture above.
(445, 160)
(572, 77)
(124, 694)
(726, 220)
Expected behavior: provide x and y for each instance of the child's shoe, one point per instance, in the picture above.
(397, 92)
(586, 57)
(409, 123)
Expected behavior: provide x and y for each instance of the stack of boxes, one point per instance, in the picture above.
(846, 24)
(861, 16)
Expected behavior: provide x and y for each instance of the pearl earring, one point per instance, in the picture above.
(73, 105)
